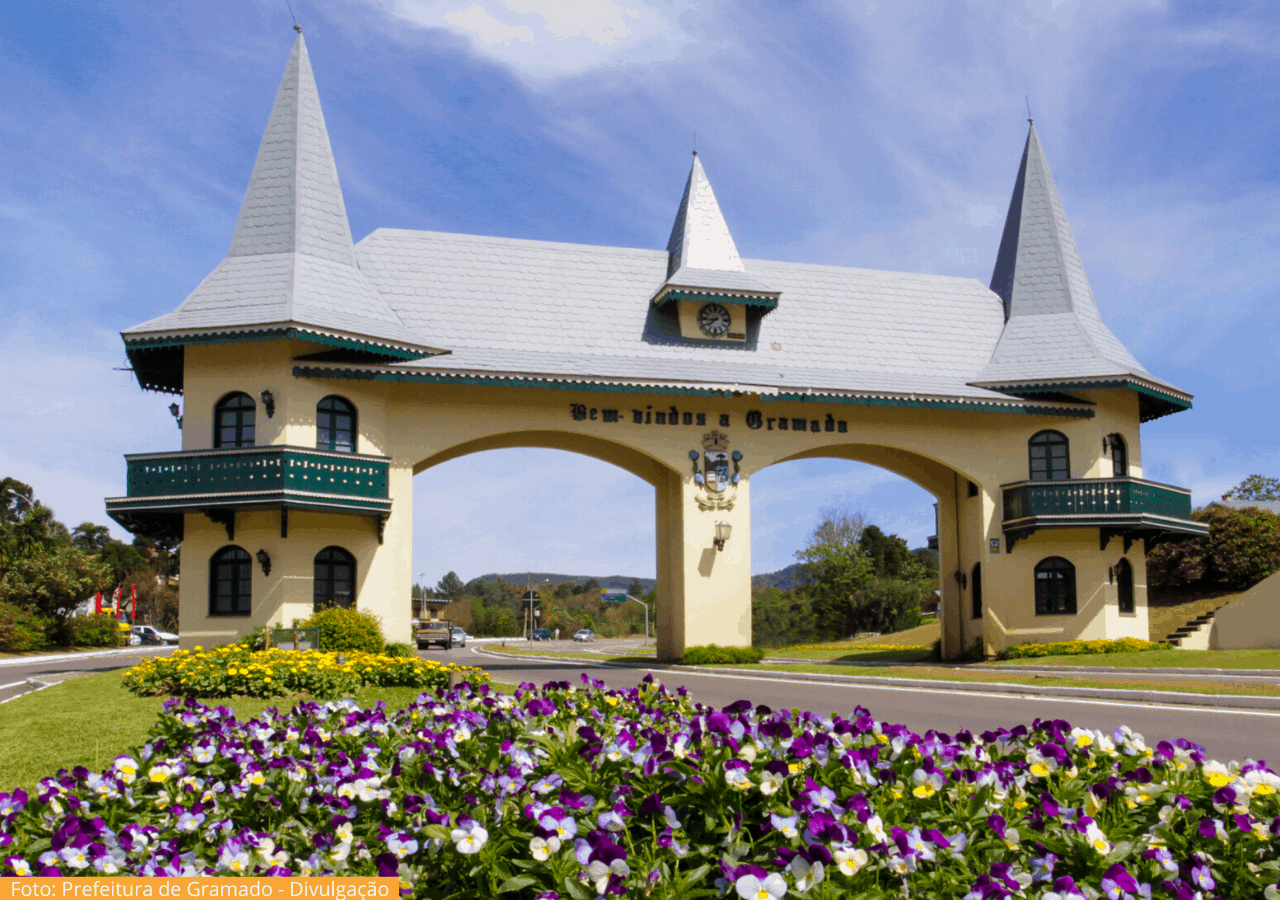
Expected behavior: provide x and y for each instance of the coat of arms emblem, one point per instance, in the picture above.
(718, 476)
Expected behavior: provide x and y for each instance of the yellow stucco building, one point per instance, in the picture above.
(319, 376)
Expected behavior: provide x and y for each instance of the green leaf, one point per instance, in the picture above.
(516, 882)
(696, 875)
(575, 889)
(436, 831)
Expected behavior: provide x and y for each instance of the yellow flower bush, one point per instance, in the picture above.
(235, 670)
(1081, 648)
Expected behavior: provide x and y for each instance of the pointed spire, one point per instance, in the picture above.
(291, 268)
(700, 239)
(701, 255)
(294, 201)
(1053, 327)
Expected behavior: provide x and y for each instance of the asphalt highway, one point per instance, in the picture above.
(1226, 733)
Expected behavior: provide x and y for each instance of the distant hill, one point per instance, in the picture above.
(621, 582)
(783, 579)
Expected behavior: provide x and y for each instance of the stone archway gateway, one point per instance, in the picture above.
(356, 365)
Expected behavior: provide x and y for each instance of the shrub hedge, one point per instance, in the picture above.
(714, 654)
(347, 630)
(1081, 648)
(99, 630)
(20, 629)
(1241, 549)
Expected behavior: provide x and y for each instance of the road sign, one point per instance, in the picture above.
(613, 596)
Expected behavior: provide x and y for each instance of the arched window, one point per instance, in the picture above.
(230, 582)
(233, 421)
(977, 590)
(335, 581)
(1055, 587)
(335, 425)
(1119, 456)
(1049, 458)
(1124, 585)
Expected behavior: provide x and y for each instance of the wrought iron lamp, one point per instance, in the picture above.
(962, 579)
(723, 530)
(176, 412)
(268, 402)
(264, 560)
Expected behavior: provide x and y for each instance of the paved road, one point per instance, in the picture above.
(14, 674)
(1227, 734)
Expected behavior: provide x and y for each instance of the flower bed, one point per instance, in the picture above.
(586, 793)
(235, 670)
(1081, 648)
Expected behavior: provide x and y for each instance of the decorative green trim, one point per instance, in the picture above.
(960, 405)
(596, 387)
(767, 303)
(1157, 403)
(269, 334)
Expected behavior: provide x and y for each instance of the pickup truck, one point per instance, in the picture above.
(438, 631)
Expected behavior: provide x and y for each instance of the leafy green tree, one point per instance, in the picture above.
(1255, 487)
(1241, 549)
(888, 553)
(51, 584)
(779, 618)
(834, 575)
(451, 587)
(635, 588)
(91, 538)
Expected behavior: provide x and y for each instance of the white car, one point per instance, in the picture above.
(459, 636)
(584, 634)
(147, 634)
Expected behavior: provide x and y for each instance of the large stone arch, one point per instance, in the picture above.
(960, 525)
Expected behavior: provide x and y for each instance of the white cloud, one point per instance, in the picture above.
(549, 38)
(980, 215)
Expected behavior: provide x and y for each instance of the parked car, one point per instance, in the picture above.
(584, 634)
(541, 634)
(149, 635)
(459, 636)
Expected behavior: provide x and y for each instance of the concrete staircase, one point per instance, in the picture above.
(1193, 635)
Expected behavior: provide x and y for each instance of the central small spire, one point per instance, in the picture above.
(700, 238)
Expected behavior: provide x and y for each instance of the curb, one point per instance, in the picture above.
(67, 657)
(982, 667)
(1167, 698)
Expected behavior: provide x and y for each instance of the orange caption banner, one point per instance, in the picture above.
(250, 888)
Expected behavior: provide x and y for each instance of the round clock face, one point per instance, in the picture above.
(713, 319)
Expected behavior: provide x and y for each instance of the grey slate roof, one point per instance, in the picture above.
(291, 259)
(537, 311)
(1054, 330)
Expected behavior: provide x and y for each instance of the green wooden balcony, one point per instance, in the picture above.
(1127, 507)
(163, 487)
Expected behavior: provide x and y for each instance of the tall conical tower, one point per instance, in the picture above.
(1054, 336)
(291, 269)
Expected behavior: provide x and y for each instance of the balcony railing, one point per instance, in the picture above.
(162, 486)
(1129, 506)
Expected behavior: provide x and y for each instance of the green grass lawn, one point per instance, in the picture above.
(976, 674)
(88, 721)
(1160, 659)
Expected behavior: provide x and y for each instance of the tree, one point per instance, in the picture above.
(1255, 487)
(91, 538)
(14, 498)
(841, 525)
(451, 587)
(635, 588)
(888, 553)
(1241, 549)
(53, 583)
(835, 574)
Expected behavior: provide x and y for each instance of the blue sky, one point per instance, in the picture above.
(863, 133)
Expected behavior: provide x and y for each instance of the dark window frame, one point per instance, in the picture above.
(324, 590)
(1119, 456)
(236, 573)
(1055, 587)
(327, 425)
(241, 418)
(1044, 462)
(975, 580)
(1124, 588)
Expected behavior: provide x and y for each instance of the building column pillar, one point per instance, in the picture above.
(704, 594)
